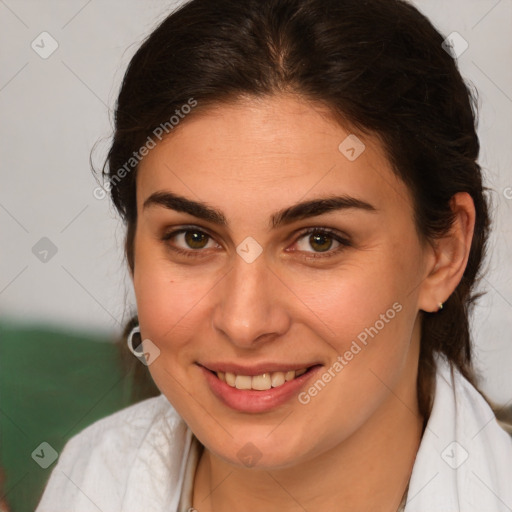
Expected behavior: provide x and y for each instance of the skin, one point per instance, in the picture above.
(355, 442)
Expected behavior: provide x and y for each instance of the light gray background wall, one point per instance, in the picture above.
(53, 110)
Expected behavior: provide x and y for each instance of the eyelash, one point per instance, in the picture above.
(344, 242)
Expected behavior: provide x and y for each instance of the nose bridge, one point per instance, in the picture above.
(248, 309)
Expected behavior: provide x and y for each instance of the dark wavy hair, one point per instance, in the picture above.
(377, 64)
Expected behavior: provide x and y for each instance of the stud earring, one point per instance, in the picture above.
(440, 306)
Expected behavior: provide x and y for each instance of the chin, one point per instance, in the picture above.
(261, 450)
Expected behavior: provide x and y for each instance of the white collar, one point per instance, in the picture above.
(464, 462)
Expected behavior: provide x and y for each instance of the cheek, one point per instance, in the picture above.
(356, 296)
(167, 301)
(367, 314)
(368, 321)
(170, 310)
(172, 301)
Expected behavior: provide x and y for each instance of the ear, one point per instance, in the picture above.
(449, 255)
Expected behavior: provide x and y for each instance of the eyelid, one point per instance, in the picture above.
(338, 235)
(176, 231)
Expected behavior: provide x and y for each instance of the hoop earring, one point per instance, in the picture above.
(135, 332)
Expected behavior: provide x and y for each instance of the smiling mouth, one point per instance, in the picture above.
(261, 382)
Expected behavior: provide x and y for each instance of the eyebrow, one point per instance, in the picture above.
(286, 216)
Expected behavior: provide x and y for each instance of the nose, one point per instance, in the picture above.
(251, 304)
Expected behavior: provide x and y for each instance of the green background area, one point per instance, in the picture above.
(53, 384)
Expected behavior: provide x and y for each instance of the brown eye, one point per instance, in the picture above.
(188, 241)
(196, 239)
(320, 241)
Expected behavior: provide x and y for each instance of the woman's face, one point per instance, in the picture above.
(252, 295)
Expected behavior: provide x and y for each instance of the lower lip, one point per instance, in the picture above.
(250, 400)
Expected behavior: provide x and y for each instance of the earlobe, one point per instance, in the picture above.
(451, 253)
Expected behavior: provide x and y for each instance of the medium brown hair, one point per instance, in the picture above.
(377, 64)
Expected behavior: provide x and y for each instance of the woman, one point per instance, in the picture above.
(305, 224)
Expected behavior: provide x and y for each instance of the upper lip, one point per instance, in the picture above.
(256, 369)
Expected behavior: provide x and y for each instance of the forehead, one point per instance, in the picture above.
(268, 152)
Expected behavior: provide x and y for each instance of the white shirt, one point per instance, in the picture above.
(135, 460)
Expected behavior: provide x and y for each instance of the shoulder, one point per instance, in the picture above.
(474, 414)
(122, 430)
(99, 462)
(490, 415)
(504, 423)
(463, 453)
(134, 418)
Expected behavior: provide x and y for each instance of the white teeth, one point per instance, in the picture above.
(289, 375)
(230, 379)
(277, 379)
(243, 382)
(259, 382)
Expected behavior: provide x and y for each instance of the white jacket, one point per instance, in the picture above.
(134, 460)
